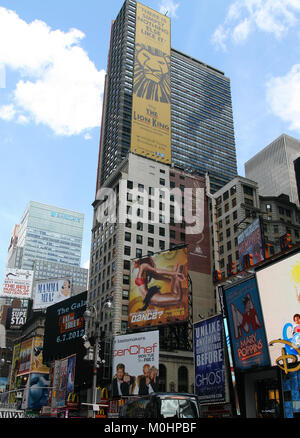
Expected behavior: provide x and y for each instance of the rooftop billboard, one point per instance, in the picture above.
(17, 283)
(151, 102)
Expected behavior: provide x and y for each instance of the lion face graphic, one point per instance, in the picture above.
(151, 72)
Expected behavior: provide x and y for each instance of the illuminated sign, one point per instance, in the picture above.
(151, 103)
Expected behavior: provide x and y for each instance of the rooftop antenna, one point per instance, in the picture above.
(166, 13)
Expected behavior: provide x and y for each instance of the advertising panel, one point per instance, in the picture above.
(279, 290)
(250, 241)
(209, 360)
(50, 292)
(25, 357)
(38, 391)
(14, 371)
(55, 383)
(159, 289)
(37, 365)
(151, 102)
(64, 328)
(16, 317)
(246, 326)
(135, 364)
(17, 283)
(62, 384)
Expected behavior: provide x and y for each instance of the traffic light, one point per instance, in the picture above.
(267, 253)
(217, 276)
(285, 241)
(231, 269)
(247, 261)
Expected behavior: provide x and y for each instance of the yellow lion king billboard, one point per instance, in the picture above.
(159, 289)
(151, 104)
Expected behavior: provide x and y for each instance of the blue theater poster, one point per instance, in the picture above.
(209, 360)
(246, 326)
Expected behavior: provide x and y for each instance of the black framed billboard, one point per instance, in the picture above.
(64, 328)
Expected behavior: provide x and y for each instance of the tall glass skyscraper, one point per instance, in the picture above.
(48, 233)
(202, 131)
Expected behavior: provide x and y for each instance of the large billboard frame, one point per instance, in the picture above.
(284, 336)
(257, 248)
(238, 368)
(215, 375)
(151, 100)
(144, 311)
(135, 364)
(17, 287)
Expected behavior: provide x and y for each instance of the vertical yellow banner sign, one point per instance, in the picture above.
(151, 104)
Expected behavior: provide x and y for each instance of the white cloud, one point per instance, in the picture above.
(86, 265)
(87, 136)
(59, 86)
(283, 97)
(246, 16)
(169, 7)
(7, 112)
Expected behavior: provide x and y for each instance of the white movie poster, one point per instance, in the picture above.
(49, 292)
(17, 283)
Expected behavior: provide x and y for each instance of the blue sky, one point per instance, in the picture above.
(53, 57)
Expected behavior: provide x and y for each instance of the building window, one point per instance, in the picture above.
(150, 241)
(139, 239)
(248, 190)
(150, 228)
(127, 250)
(125, 294)
(138, 253)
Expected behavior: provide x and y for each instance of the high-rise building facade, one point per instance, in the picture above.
(135, 148)
(273, 168)
(116, 244)
(47, 233)
(202, 132)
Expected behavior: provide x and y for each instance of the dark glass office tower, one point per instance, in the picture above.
(202, 132)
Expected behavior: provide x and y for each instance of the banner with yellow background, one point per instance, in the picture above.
(151, 104)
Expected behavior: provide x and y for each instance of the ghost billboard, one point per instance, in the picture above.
(209, 360)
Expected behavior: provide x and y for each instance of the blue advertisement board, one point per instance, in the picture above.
(246, 326)
(209, 360)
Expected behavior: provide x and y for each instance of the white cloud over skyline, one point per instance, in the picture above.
(168, 6)
(283, 97)
(59, 85)
(247, 16)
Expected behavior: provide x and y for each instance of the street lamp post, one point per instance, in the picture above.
(92, 312)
